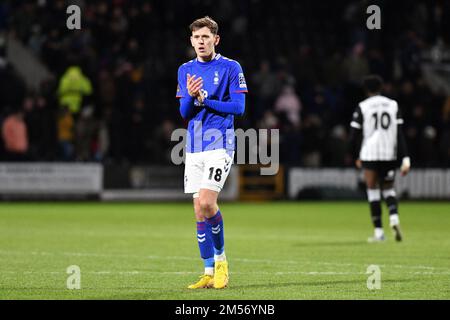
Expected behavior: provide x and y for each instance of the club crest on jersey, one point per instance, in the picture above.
(216, 78)
(242, 83)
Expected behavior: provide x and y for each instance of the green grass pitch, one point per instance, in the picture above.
(278, 250)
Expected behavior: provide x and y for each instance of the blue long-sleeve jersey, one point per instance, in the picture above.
(211, 125)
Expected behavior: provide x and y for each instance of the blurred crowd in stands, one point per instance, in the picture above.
(111, 93)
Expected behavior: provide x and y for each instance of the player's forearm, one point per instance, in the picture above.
(355, 142)
(236, 106)
(187, 107)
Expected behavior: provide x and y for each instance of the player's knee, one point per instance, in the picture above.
(387, 193)
(207, 207)
(373, 195)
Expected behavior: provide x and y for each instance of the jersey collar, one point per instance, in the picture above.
(213, 60)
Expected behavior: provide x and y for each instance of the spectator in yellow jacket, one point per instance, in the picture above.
(73, 86)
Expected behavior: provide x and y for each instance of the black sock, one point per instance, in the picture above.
(391, 202)
(375, 212)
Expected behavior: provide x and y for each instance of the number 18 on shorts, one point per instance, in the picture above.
(207, 170)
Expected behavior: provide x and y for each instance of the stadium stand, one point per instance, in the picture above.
(303, 74)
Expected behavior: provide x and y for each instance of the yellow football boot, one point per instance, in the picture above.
(220, 274)
(206, 281)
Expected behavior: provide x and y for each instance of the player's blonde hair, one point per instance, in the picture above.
(205, 22)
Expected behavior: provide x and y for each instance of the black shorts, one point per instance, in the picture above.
(385, 169)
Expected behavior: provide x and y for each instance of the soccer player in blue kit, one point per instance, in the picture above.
(211, 89)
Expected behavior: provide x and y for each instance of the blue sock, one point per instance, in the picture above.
(205, 244)
(215, 227)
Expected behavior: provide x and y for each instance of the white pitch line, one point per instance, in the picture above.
(246, 260)
(308, 273)
(101, 272)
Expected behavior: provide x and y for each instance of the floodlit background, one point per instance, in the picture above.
(106, 137)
